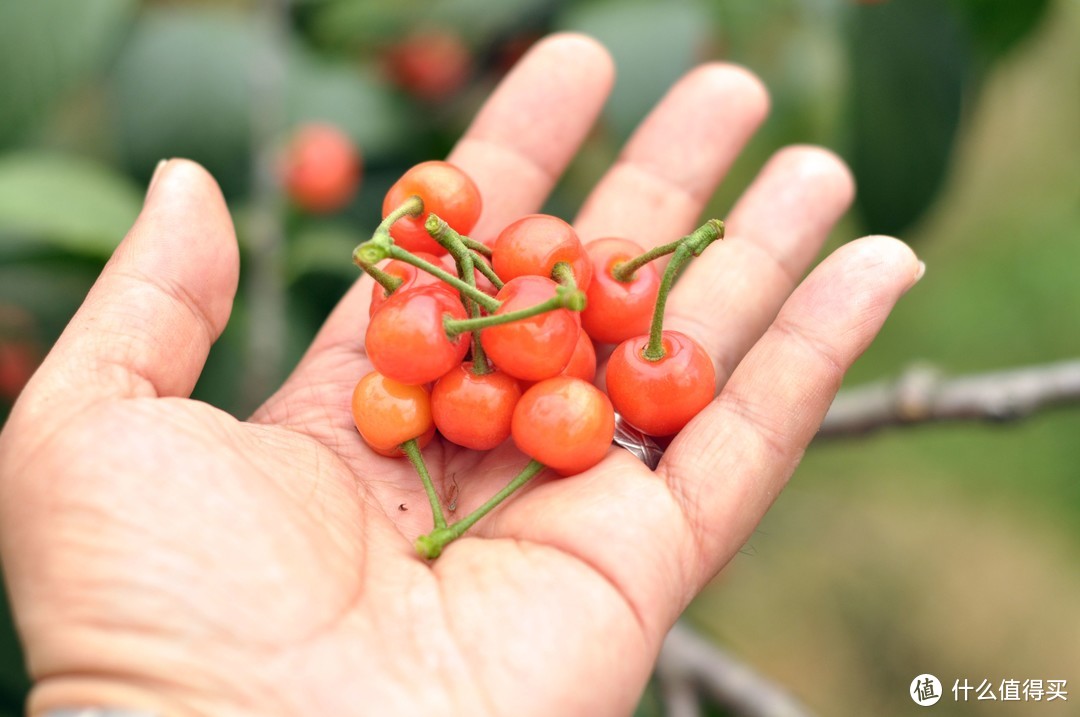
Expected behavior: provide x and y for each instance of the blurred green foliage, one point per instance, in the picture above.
(96, 92)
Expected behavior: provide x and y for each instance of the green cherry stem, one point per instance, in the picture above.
(388, 282)
(454, 243)
(477, 246)
(624, 270)
(412, 451)
(411, 207)
(563, 273)
(688, 247)
(473, 293)
(572, 299)
(484, 268)
(430, 546)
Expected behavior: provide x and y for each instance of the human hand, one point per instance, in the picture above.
(163, 555)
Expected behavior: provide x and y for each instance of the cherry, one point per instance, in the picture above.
(565, 423)
(388, 413)
(617, 310)
(474, 410)
(321, 169)
(534, 244)
(660, 397)
(406, 340)
(446, 191)
(431, 65)
(535, 348)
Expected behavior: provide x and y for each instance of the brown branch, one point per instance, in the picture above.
(687, 659)
(923, 395)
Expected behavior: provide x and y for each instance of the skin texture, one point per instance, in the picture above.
(162, 554)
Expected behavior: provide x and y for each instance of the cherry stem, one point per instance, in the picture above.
(688, 247)
(572, 299)
(624, 270)
(454, 243)
(365, 259)
(478, 246)
(563, 273)
(486, 270)
(388, 282)
(412, 450)
(430, 546)
(411, 207)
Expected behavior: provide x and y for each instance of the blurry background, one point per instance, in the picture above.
(943, 549)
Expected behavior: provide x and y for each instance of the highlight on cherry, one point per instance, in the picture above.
(484, 344)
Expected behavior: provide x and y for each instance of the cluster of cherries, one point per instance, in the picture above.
(485, 343)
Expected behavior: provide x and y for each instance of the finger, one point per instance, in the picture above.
(162, 300)
(730, 463)
(531, 127)
(658, 187)
(730, 294)
(516, 148)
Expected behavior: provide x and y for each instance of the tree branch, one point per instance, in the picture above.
(688, 660)
(922, 395)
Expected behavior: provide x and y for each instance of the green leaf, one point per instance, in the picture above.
(47, 47)
(65, 201)
(324, 249)
(910, 63)
(653, 44)
(182, 88)
(350, 98)
(998, 26)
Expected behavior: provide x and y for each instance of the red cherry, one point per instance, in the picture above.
(617, 310)
(565, 423)
(388, 413)
(534, 244)
(583, 361)
(445, 190)
(406, 340)
(431, 65)
(660, 397)
(535, 348)
(474, 410)
(410, 276)
(321, 168)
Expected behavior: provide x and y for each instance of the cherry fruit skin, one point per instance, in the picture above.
(534, 244)
(322, 168)
(431, 65)
(474, 410)
(535, 348)
(388, 413)
(445, 190)
(406, 340)
(583, 361)
(660, 397)
(410, 276)
(565, 423)
(618, 310)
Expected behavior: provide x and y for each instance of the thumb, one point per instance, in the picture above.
(164, 297)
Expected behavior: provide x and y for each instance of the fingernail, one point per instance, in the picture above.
(919, 272)
(158, 171)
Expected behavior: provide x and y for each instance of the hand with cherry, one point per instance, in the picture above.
(162, 555)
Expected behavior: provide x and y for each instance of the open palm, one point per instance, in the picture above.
(161, 554)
